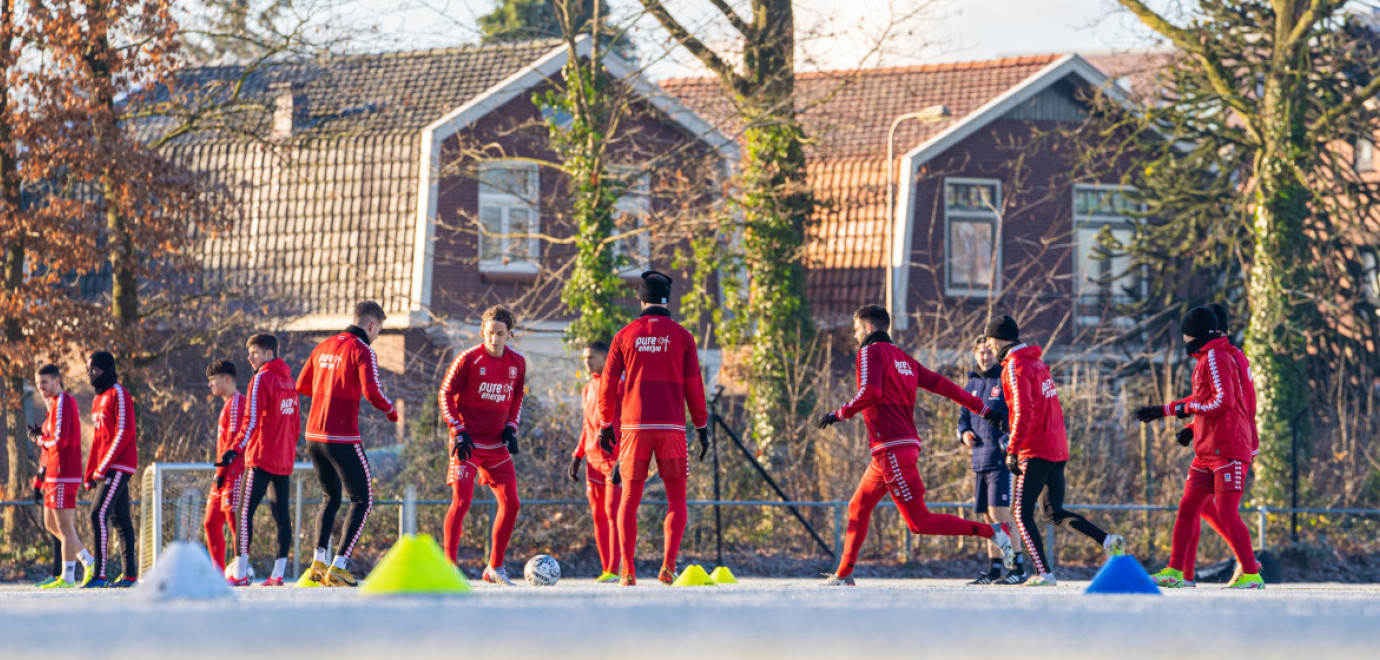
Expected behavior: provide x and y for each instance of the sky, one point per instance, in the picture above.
(832, 34)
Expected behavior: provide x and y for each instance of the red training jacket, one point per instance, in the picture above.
(1247, 391)
(112, 445)
(1037, 418)
(271, 424)
(589, 431)
(888, 379)
(482, 394)
(1223, 419)
(658, 359)
(340, 371)
(61, 441)
(228, 437)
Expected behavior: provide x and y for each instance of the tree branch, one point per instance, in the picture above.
(733, 18)
(1344, 108)
(696, 47)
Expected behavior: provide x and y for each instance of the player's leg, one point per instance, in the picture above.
(255, 486)
(100, 529)
(673, 464)
(505, 518)
(278, 506)
(597, 496)
(634, 459)
(1024, 498)
(908, 491)
(613, 495)
(461, 480)
(72, 549)
(124, 524)
(213, 522)
(353, 466)
(1182, 549)
(871, 489)
(1056, 514)
(50, 525)
(329, 479)
(1229, 487)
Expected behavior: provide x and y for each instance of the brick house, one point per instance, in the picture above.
(994, 210)
(421, 180)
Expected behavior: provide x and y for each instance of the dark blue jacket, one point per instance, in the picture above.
(987, 387)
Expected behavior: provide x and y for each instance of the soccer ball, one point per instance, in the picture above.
(542, 571)
(230, 571)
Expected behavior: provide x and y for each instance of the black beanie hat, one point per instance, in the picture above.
(1003, 328)
(1222, 319)
(654, 288)
(103, 360)
(1198, 323)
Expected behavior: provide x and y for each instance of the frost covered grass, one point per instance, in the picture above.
(757, 619)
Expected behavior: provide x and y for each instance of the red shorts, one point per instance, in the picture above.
(60, 495)
(488, 466)
(229, 495)
(671, 449)
(1218, 475)
(899, 469)
(598, 471)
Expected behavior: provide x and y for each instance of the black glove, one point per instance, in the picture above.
(510, 437)
(1013, 463)
(220, 480)
(606, 439)
(227, 458)
(1180, 412)
(617, 474)
(828, 420)
(1185, 436)
(574, 470)
(461, 446)
(1147, 414)
(704, 442)
(35, 432)
(997, 420)
(38, 487)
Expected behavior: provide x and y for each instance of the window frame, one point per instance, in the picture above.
(1097, 221)
(1360, 164)
(993, 217)
(507, 201)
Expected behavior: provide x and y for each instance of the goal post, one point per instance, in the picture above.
(172, 499)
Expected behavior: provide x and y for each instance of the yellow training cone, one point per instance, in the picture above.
(306, 581)
(694, 576)
(415, 565)
(722, 575)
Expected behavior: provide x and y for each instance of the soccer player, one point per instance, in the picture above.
(269, 439)
(113, 461)
(1223, 448)
(1038, 448)
(655, 362)
(481, 402)
(991, 479)
(59, 438)
(602, 490)
(887, 382)
(340, 371)
(223, 500)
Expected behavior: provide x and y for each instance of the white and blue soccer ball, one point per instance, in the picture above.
(542, 571)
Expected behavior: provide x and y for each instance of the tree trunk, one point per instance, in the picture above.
(18, 456)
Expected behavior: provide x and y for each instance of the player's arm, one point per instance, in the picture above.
(609, 391)
(257, 402)
(515, 407)
(965, 422)
(1215, 394)
(49, 442)
(119, 433)
(1018, 395)
(453, 383)
(373, 387)
(694, 385)
(868, 369)
(937, 384)
(305, 376)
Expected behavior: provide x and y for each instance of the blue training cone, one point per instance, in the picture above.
(1122, 575)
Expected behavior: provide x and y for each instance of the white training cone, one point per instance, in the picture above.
(184, 571)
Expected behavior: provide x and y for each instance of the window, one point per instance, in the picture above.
(509, 214)
(972, 232)
(633, 210)
(1100, 276)
(1365, 155)
(1370, 275)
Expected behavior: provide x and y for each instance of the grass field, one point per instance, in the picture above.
(759, 618)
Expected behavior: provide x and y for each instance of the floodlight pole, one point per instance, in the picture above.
(929, 114)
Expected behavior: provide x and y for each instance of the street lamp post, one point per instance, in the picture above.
(928, 114)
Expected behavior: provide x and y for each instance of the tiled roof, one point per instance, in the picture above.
(330, 221)
(846, 115)
(379, 93)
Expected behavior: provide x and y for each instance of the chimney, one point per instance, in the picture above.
(289, 109)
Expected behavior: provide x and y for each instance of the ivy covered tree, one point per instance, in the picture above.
(1253, 176)
(523, 20)
(769, 312)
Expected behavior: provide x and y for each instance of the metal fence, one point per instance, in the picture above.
(406, 516)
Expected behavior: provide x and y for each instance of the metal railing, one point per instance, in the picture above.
(407, 518)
